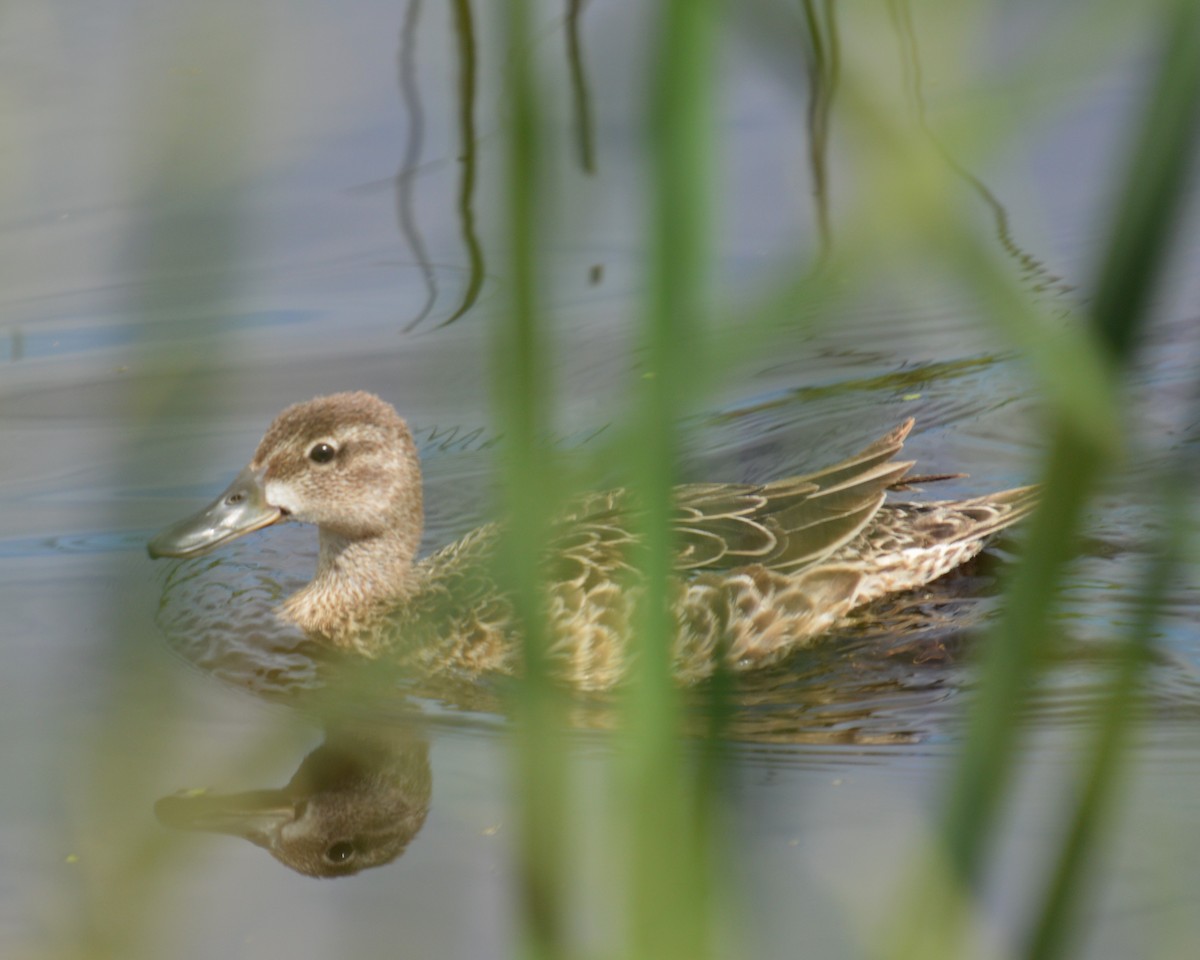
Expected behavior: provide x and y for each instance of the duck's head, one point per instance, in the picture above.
(356, 802)
(345, 462)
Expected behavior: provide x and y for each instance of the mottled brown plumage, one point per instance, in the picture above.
(762, 569)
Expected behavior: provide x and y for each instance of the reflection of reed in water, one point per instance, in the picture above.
(824, 67)
(355, 802)
(580, 97)
(466, 165)
(1036, 274)
(406, 69)
(464, 32)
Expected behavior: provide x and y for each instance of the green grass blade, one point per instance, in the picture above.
(668, 880)
(522, 385)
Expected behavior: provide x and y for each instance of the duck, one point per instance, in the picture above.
(761, 570)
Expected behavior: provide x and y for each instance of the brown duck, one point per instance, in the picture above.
(762, 569)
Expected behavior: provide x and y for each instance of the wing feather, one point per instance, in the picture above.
(787, 524)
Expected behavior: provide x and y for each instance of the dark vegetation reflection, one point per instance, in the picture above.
(406, 69)
(580, 97)
(824, 67)
(466, 163)
(1033, 272)
(464, 32)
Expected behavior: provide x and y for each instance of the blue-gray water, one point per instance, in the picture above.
(147, 338)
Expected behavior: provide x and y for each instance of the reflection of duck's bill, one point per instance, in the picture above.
(240, 509)
(258, 815)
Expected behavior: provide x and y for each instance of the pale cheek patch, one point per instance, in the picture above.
(282, 496)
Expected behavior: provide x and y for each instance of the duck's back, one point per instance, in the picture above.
(762, 569)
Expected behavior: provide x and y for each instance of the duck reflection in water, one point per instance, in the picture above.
(356, 802)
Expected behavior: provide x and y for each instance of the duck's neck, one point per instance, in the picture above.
(355, 581)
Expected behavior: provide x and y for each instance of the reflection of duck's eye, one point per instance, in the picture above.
(340, 852)
(322, 453)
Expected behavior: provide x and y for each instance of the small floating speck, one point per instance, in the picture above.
(71, 858)
(911, 396)
(491, 831)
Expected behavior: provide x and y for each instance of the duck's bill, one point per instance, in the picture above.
(242, 508)
(258, 815)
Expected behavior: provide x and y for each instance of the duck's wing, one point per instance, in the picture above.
(793, 523)
(789, 524)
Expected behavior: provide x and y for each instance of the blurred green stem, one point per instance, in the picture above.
(668, 884)
(523, 390)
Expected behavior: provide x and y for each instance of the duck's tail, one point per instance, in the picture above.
(993, 512)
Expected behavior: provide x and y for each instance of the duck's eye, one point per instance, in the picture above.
(340, 852)
(234, 499)
(322, 453)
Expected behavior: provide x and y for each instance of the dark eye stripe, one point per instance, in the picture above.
(322, 453)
